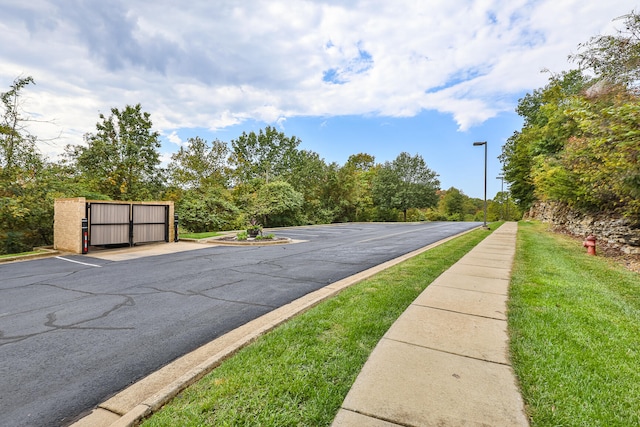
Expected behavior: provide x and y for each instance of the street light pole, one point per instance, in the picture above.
(508, 199)
(477, 144)
(501, 178)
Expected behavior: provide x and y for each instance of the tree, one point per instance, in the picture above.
(209, 210)
(26, 210)
(277, 204)
(198, 165)
(18, 153)
(517, 166)
(579, 144)
(26, 213)
(453, 204)
(310, 176)
(355, 179)
(614, 58)
(268, 155)
(599, 169)
(405, 183)
(121, 160)
(548, 125)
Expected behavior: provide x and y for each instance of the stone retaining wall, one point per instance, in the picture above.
(617, 231)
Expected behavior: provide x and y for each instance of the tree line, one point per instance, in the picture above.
(261, 177)
(580, 142)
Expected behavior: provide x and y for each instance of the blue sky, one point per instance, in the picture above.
(344, 76)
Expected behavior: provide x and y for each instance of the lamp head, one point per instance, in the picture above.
(479, 143)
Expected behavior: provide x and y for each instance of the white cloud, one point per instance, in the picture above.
(175, 139)
(211, 65)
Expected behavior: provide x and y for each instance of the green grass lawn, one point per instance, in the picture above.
(23, 254)
(202, 235)
(299, 374)
(574, 323)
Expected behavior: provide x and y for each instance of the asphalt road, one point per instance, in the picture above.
(74, 333)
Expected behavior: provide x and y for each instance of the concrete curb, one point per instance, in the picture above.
(138, 401)
(263, 242)
(217, 240)
(48, 253)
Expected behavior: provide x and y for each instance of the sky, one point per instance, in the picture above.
(344, 76)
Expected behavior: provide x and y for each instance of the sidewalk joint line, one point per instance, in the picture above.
(460, 312)
(464, 263)
(472, 290)
(448, 352)
(388, 420)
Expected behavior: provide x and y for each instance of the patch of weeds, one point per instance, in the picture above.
(269, 236)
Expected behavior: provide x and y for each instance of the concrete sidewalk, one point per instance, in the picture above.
(445, 361)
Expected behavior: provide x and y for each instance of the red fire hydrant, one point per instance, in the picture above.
(590, 244)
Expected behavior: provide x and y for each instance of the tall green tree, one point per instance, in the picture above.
(27, 208)
(277, 203)
(26, 184)
(199, 176)
(453, 204)
(579, 144)
(210, 209)
(517, 164)
(121, 160)
(18, 152)
(269, 155)
(199, 165)
(353, 186)
(310, 176)
(614, 58)
(547, 127)
(600, 168)
(405, 183)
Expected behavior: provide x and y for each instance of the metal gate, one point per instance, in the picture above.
(123, 223)
(150, 223)
(109, 223)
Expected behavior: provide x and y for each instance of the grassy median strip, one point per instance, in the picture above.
(574, 322)
(202, 235)
(299, 374)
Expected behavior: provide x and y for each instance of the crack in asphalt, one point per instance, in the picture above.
(201, 293)
(39, 282)
(276, 276)
(128, 302)
(52, 317)
(273, 263)
(62, 288)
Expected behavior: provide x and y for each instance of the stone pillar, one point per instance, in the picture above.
(67, 224)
